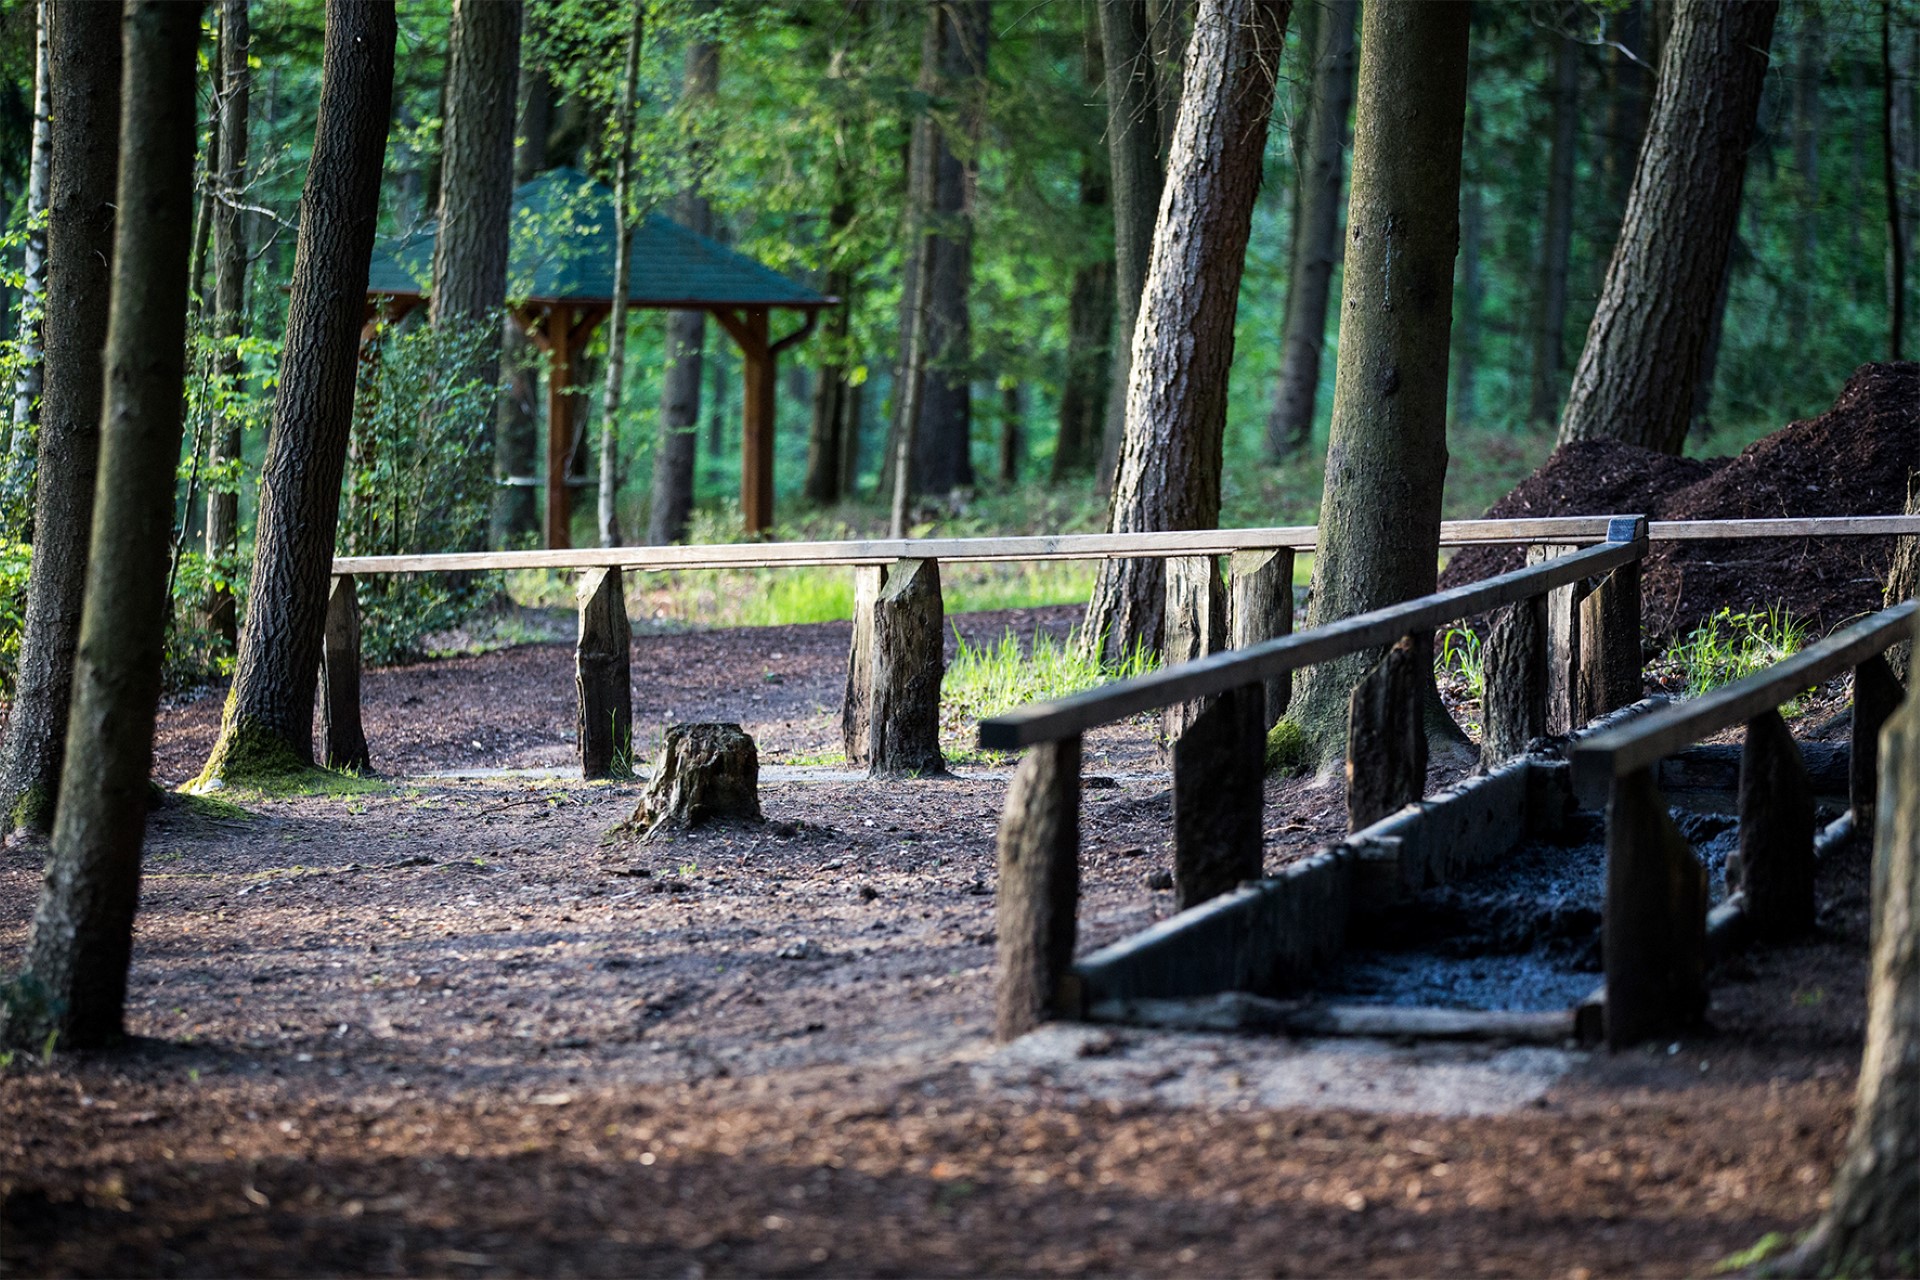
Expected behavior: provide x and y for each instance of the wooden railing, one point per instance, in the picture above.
(1575, 616)
(1655, 930)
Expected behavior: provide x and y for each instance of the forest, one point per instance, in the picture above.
(776, 636)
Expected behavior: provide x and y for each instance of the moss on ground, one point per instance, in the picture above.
(1289, 750)
(249, 757)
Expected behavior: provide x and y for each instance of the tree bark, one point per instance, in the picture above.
(82, 939)
(27, 386)
(673, 458)
(1809, 58)
(1636, 376)
(1316, 244)
(1472, 289)
(616, 370)
(229, 310)
(1090, 312)
(1169, 475)
(1897, 141)
(84, 62)
(516, 423)
(1133, 150)
(1556, 240)
(1873, 1226)
(1633, 70)
(1387, 449)
(268, 725)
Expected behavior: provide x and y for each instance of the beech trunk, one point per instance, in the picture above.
(1169, 475)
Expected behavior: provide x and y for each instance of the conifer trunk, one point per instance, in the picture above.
(516, 422)
(673, 456)
(75, 979)
(1169, 476)
(84, 62)
(229, 308)
(616, 370)
(1645, 348)
(1556, 239)
(1387, 451)
(33, 267)
(268, 724)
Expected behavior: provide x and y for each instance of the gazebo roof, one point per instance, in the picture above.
(563, 248)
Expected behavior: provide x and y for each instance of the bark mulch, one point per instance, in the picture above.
(1852, 460)
(444, 1025)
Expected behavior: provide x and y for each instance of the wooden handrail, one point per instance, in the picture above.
(1220, 672)
(1560, 530)
(1643, 742)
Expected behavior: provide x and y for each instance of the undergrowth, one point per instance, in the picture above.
(988, 679)
(1731, 645)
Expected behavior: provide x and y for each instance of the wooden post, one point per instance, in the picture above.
(1196, 626)
(345, 742)
(1776, 831)
(1513, 705)
(1038, 897)
(1609, 676)
(1260, 607)
(1563, 644)
(559, 334)
(856, 707)
(1219, 764)
(603, 676)
(909, 660)
(1386, 733)
(1655, 931)
(1876, 692)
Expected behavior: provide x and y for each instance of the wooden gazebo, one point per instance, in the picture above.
(560, 276)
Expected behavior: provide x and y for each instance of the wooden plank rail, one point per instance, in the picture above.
(1655, 925)
(1064, 717)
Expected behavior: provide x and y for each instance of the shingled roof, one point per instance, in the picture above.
(562, 251)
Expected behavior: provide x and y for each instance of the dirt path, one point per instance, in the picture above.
(444, 1026)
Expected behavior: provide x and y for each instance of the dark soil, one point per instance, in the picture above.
(450, 1026)
(1852, 460)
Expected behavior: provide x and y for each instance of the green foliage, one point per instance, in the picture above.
(1460, 655)
(988, 679)
(16, 558)
(1289, 749)
(1731, 645)
(418, 479)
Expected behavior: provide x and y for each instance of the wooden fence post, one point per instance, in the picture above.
(1219, 765)
(1260, 607)
(1387, 734)
(909, 660)
(1039, 890)
(603, 676)
(1609, 676)
(340, 730)
(1654, 934)
(1776, 831)
(1876, 692)
(856, 708)
(1563, 644)
(1196, 626)
(1513, 699)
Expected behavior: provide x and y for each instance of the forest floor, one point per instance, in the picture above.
(442, 1023)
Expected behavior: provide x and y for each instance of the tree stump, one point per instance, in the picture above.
(603, 676)
(1260, 608)
(1387, 734)
(1196, 625)
(345, 741)
(856, 707)
(1513, 705)
(1776, 831)
(704, 773)
(909, 660)
(1219, 764)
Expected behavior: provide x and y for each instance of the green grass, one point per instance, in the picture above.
(1460, 655)
(1732, 645)
(988, 679)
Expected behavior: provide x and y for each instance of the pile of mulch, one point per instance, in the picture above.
(1853, 460)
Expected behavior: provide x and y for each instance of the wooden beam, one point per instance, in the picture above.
(856, 706)
(603, 676)
(1609, 670)
(909, 639)
(559, 328)
(1876, 693)
(345, 742)
(1196, 625)
(1219, 764)
(1655, 920)
(1776, 831)
(1038, 897)
(1260, 608)
(1386, 733)
(1513, 704)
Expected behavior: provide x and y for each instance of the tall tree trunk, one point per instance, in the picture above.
(616, 369)
(82, 938)
(1013, 434)
(1133, 149)
(1387, 450)
(1897, 141)
(1473, 289)
(84, 61)
(1873, 1225)
(1169, 475)
(267, 728)
(1556, 240)
(1627, 104)
(476, 185)
(942, 457)
(229, 310)
(673, 457)
(33, 286)
(1083, 391)
(1316, 243)
(516, 422)
(1809, 57)
(1636, 376)
(832, 391)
